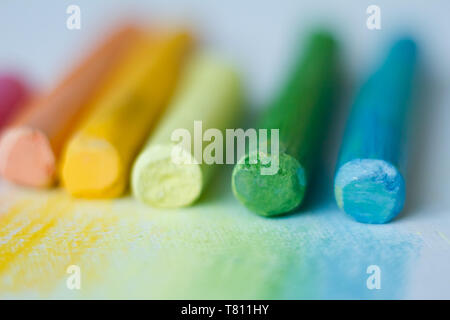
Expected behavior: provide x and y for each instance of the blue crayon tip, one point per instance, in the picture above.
(370, 190)
(404, 49)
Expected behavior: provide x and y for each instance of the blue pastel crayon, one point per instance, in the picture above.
(369, 183)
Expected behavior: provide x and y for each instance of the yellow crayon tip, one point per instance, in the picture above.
(92, 166)
(159, 181)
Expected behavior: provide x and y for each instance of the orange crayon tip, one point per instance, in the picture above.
(26, 157)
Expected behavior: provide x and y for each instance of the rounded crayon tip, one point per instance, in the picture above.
(160, 180)
(269, 194)
(92, 168)
(370, 190)
(26, 157)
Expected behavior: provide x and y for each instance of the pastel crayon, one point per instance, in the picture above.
(209, 96)
(369, 183)
(13, 95)
(301, 113)
(98, 157)
(31, 146)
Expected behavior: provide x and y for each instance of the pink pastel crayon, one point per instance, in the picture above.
(13, 94)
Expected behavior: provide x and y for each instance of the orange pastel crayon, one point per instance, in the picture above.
(32, 144)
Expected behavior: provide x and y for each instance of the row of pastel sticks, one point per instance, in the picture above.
(90, 132)
(115, 114)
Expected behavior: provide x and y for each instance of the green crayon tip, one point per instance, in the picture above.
(269, 195)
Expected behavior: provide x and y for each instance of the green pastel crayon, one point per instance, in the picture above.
(301, 113)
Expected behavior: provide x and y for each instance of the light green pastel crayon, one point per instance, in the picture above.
(171, 170)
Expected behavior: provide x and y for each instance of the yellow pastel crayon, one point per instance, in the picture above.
(97, 158)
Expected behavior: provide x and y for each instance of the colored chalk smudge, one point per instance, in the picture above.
(369, 183)
(211, 251)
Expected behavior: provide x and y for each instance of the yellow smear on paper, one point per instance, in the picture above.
(127, 250)
(39, 239)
